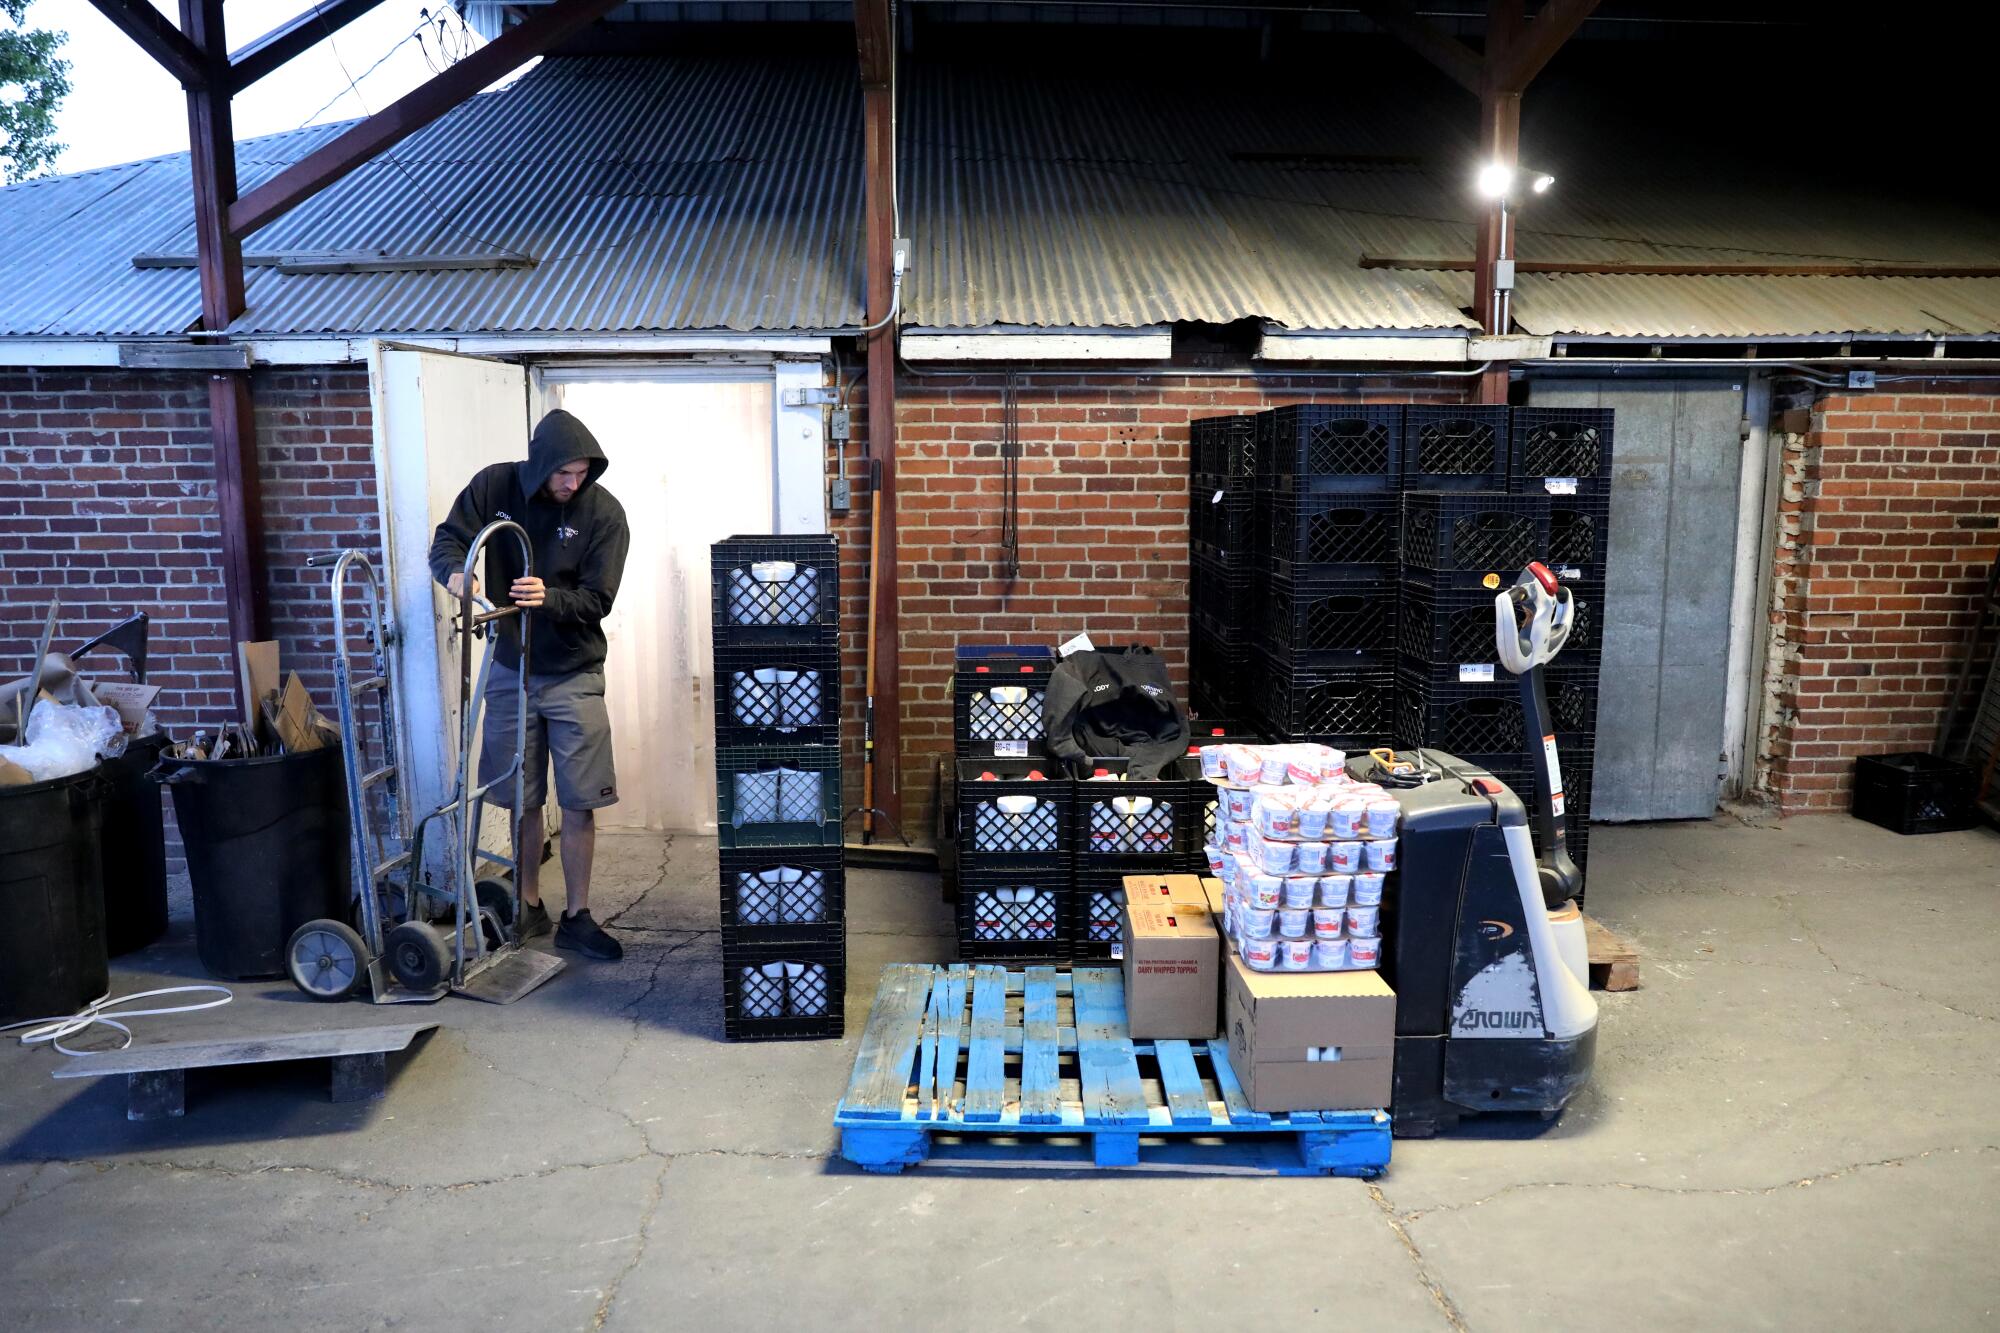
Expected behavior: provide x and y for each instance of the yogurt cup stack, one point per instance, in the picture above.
(1303, 852)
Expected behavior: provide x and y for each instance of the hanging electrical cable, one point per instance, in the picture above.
(1010, 479)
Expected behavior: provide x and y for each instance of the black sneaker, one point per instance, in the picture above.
(579, 932)
(534, 920)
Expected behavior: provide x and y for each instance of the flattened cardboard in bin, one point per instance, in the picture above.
(1172, 952)
(1274, 1018)
(298, 720)
(257, 663)
(131, 701)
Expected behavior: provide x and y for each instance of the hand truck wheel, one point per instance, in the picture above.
(418, 956)
(326, 959)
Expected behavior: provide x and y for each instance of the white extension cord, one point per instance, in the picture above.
(53, 1030)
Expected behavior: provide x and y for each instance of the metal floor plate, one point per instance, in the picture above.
(510, 975)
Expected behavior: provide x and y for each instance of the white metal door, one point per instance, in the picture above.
(692, 462)
(440, 417)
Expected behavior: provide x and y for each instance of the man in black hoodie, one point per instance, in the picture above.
(579, 536)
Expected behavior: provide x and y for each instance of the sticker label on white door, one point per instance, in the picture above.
(1475, 673)
(1010, 749)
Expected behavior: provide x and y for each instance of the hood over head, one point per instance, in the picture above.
(560, 438)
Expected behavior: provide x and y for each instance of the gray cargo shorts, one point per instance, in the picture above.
(567, 721)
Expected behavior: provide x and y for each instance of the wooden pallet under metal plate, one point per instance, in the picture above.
(996, 1068)
(1614, 960)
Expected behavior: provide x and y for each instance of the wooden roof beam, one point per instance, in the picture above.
(418, 108)
(1531, 46)
(292, 38)
(158, 38)
(1401, 19)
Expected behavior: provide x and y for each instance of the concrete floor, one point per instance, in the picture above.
(1792, 1125)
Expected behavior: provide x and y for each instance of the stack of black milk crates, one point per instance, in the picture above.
(1222, 561)
(1324, 608)
(1012, 810)
(776, 605)
(1565, 454)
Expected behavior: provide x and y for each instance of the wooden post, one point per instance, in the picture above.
(875, 42)
(212, 153)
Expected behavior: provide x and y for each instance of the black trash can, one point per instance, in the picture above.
(134, 848)
(52, 958)
(266, 846)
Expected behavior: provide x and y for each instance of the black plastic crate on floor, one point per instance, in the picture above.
(776, 695)
(1140, 826)
(1347, 707)
(1328, 622)
(1458, 537)
(997, 703)
(1006, 817)
(1562, 450)
(1459, 447)
(775, 590)
(783, 895)
(778, 991)
(1224, 447)
(1329, 536)
(778, 796)
(1222, 518)
(1915, 793)
(1020, 913)
(1319, 447)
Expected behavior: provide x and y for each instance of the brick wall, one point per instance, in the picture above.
(1889, 520)
(1103, 526)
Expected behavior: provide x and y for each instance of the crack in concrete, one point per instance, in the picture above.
(1439, 1296)
(349, 1179)
(1788, 902)
(21, 1193)
(638, 1251)
(1800, 1182)
(659, 881)
(631, 1009)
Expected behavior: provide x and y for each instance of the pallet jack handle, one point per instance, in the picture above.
(1532, 623)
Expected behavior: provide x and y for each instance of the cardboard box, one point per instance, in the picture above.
(1166, 889)
(1217, 898)
(1274, 1018)
(1172, 967)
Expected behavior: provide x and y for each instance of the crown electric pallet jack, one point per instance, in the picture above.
(1486, 948)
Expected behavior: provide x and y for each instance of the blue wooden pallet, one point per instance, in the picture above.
(933, 1082)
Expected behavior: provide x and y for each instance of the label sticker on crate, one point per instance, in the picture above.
(1569, 573)
(1475, 673)
(1216, 499)
(1118, 949)
(1010, 749)
(1559, 485)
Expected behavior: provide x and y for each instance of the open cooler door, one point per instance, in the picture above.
(440, 418)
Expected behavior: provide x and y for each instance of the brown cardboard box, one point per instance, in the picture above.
(1272, 1018)
(1172, 967)
(1213, 892)
(1165, 889)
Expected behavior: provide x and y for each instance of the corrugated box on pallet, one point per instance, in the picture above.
(1172, 960)
(1280, 1025)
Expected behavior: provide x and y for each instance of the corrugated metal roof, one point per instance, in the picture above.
(724, 193)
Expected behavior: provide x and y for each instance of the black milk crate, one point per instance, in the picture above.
(988, 719)
(1587, 622)
(775, 991)
(1222, 522)
(1915, 793)
(1097, 903)
(996, 824)
(778, 796)
(1220, 592)
(1455, 448)
(1562, 450)
(1467, 534)
(1445, 626)
(772, 590)
(1436, 710)
(1329, 536)
(1021, 913)
(1348, 707)
(782, 895)
(1223, 447)
(1140, 826)
(776, 696)
(1218, 668)
(1328, 622)
(1331, 447)
(1579, 535)
(1571, 688)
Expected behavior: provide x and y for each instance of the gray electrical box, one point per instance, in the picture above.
(839, 423)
